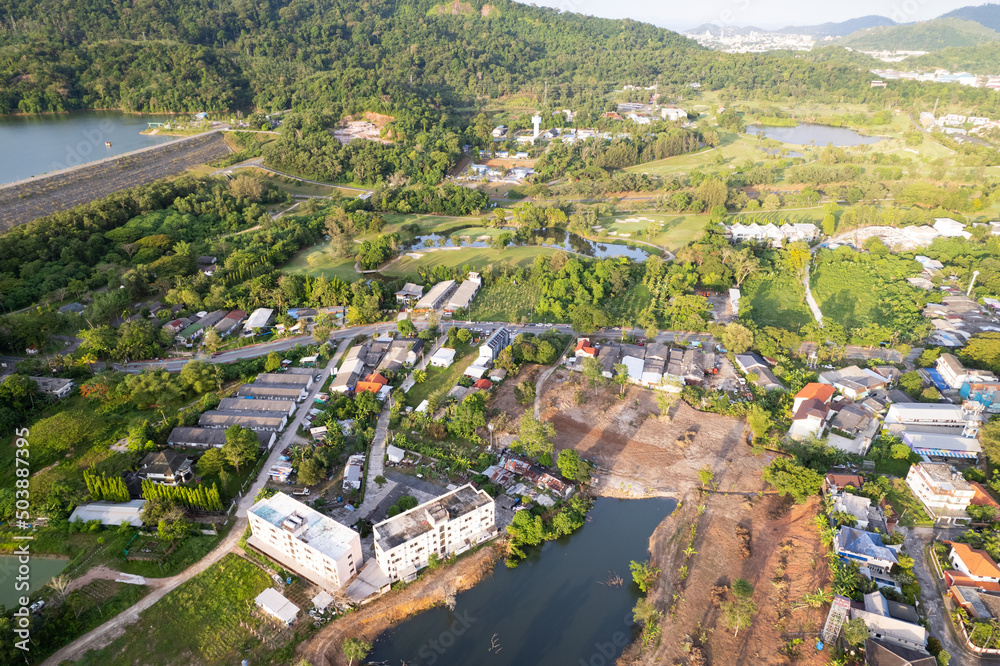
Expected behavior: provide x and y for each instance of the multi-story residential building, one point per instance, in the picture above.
(942, 491)
(315, 546)
(446, 525)
(955, 374)
(498, 341)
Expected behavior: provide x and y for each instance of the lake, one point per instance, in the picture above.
(33, 145)
(804, 133)
(555, 238)
(552, 609)
(43, 569)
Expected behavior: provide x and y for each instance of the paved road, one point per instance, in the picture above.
(932, 591)
(112, 629)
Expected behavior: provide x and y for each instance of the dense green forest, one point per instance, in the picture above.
(216, 54)
(924, 36)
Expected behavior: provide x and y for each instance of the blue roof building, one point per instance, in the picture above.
(865, 548)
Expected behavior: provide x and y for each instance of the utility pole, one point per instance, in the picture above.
(545, 99)
(975, 274)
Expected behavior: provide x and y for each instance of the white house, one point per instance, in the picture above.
(942, 491)
(955, 374)
(110, 513)
(394, 454)
(273, 603)
(259, 318)
(974, 563)
(443, 358)
(55, 386)
(168, 468)
(305, 541)
(673, 114)
(447, 525)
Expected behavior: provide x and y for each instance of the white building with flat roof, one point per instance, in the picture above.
(445, 526)
(315, 546)
(276, 605)
(259, 318)
(942, 491)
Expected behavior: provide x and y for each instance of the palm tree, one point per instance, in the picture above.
(59, 585)
(89, 359)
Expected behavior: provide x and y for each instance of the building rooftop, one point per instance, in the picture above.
(420, 519)
(163, 463)
(264, 390)
(306, 524)
(864, 543)
(816, 391)
(978, 562)
(110, 513)
(246, 419)
(944, 476)
(431, 299)
(942, 445)
(883, 653)
(277, 605)
(303, 380)
(207, 436)
(255, 405)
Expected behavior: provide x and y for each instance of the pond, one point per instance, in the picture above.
(556, 238)
(43, 569)
(804, 133)
(50, 142)
(555, 608)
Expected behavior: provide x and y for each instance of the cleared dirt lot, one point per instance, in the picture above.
(637, 452)
(50, 194)
(640, 453)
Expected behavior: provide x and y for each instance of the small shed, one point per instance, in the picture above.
(273, 603)
(394, 453)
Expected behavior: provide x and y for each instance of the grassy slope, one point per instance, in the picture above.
(777, 300)
(440, 380)
(199, 622)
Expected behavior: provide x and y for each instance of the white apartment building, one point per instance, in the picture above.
(447, 525)
(942, 491)
(305, 541)
(943, 419)
(955, 374)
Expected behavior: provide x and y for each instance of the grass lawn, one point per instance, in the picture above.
(476, 257)
(204, 621)
(675, 232)
(777, 300)
(504, 301)
(732, 148)
(906, 505)
(97, 602)
(625, 310)
(440, 380)
(314, 261)
(293, 186)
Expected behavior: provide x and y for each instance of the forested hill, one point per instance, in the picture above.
(924, 36)
(188, 55)
(988, 15)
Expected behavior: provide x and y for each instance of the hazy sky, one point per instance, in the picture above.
(761, 13)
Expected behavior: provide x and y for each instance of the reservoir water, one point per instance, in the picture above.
(554, 608)
(555, 238)
(33, 145)
(803, 134)
(43, 569)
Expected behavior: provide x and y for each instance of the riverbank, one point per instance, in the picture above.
(433, 589)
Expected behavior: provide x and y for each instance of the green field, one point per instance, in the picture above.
(504, 301)
(473, 256)
(203, 621)
(733, 148)
(776, 300)
(440, 380)
(314, 261)
(293, 186)
(675, 231)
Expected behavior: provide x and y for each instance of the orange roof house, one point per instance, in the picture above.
(373, 383)
(837, 482)
(974, 563)
(483, 384)
(819, 392)
(584, 349)
(983, 497)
